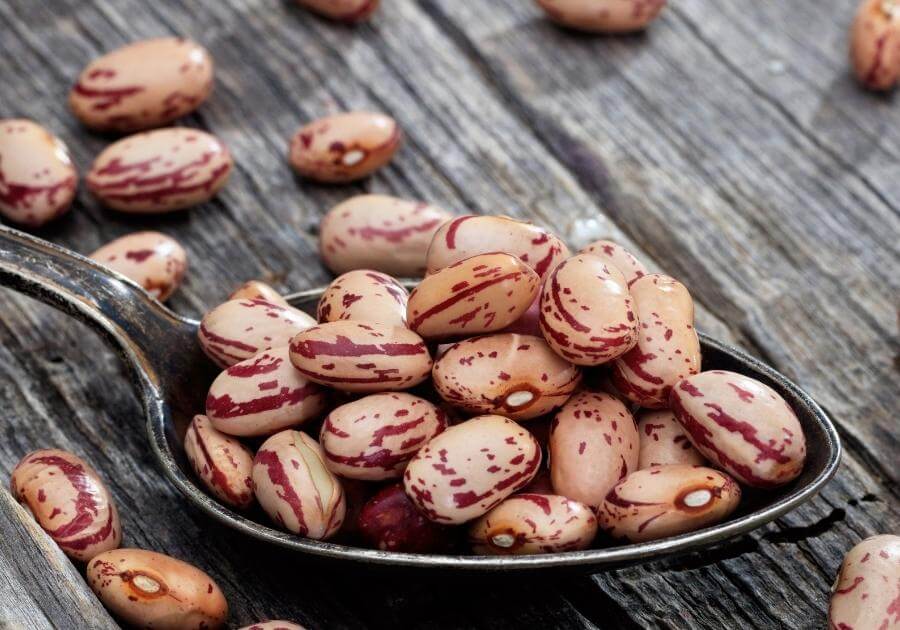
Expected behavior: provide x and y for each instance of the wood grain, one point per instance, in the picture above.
(727, 145)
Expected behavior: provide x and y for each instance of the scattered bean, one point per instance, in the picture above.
(364, 296)
(742, 426)
(663, 501)
(663, 441)
(256, 290)
(146, 84)
(155, 261)
(864, 595)
(37, 178)
(619, 257)
(603, 16)
(223, 463)
(69, 501)
(342, 10)
(389, 521)
(875, 44)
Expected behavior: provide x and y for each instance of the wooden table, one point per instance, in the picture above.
(728, 146)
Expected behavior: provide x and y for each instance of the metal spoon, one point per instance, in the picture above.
(172, 376)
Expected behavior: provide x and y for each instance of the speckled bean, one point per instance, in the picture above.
(357, 357)
(238, 329)
(37, 178)
(160, 171)
(517, 376)
(256, 290)
(152, 590)
(741, 426)
(586, 311)
(667, 349)
(263, 395)
(619, 257)
(379, 232)
(477, 295)
(275, 624)
(153, 260)
(344, 147)
(875, 44)
(342, 10)
(534, 523)
(295, 488)
(391, 522)
(866, 592)
(69, 501)
(663, 441)
(364, 295)
(603, 16)
(666, 501)
(470, 235)
(374, 437)
(471, 467)
(593, 444)
(145, 84)
(223, 463)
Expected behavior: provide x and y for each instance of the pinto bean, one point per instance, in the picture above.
(875, 44)
(619, 257)
(663, 441)
(864, 594)
(256, 290)
(603, 16)
(155, 261)
(221, 462)
(364, 296)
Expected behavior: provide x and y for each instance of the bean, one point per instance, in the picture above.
(37, 178)
(256, 290)
(221, 462)
(263, 395)
(875, 44)
(344, 147)
(374, 437)
(663, 501)
(471, 467)
(153, 590)
(534, 523)
(364, 295)
(275, 624)
(69, 501)
(741, 426)
(593, 444)
(391, 522)
(160, 171)
(379, 232)
(619, 257)
(663, 441)
(864, 594)
(295, 488)
(155, 261)
(667, 348)
(238, 329)
(603, 16)
(146, 84)
(517, 376)
(477, 295)
(357, 357)
(342, 10)
(471, 235)
(586, 311)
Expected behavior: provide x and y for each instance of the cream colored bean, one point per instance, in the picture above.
(357, 357)
(342, 10)
(619, 257)
(603, 16)
(344, 147)
(864, 595)
(295, 488)
(667, 348)
(379, 232)
(160, 171)
(741, 426)
(593, 444)
(663, 441)
(37, 178)
(480, 294)
(275, 624)
(471, 235)
(666, 501)
(586, 311)
(152, 590)
(69, 501)
(263, 395)
(238, 329)
(470, 468)
(364, 295)
(517, 376)
(223, 463)
(146, 84)
(374, 437)
(256, 290)
(875, 44)
(534, 523)
(155, 261)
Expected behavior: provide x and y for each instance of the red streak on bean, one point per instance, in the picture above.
(343, 346)
(107, 97)
(225, 407)
(538, 499)
(462, 295)
(399, 235)
(452, 230)
(278, 476)
(218, 478)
